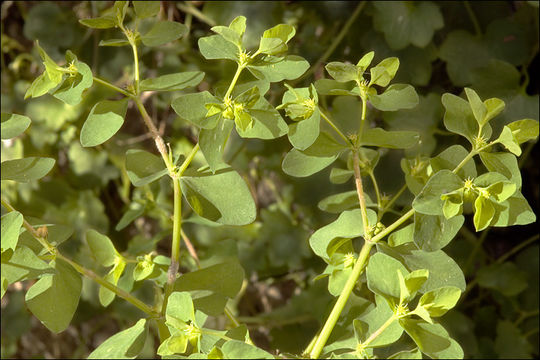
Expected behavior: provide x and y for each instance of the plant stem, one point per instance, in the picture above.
(473, 18)
(518, 247)
(82, 270)
(341, 301)
(376, 187)
(234, 80)
(331, 123)
(335, 42)
(362, 120)
(190, 9)
(361, 197)
(160, 144)
(469, 156)
(392, 201)
(175, 247)
(119, 292)
(379, 331)
(111, 86)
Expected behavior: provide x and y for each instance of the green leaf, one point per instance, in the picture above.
(106, 296)
(437, 302)
(395, 97)
(216, 47)
(507, 139)
(302, 134)
(163, 32)
(494, 107)
(463, 52)
(401, 236)
(409, 285)
(483, 213)
(365, 61)
(333, 87)
(13, 125)
(348, 225)
(40, 86)
(389, 139)
(23, 264)
(126, 344)
(443, 270)
(343, 72)
(172, 82)
(323, 152)
(382, 277)
(213, 142)
(145, 9)
(503, 163)
(71, 90)
(102, 248)
(516, 212)
(51, 68)
(114, 42)
(234, 349)
(274, 69)
(26, 169)
(384, 72)
(429, 200)
(434, 232)
(343, 201)
(103, 22)
(10, 224)
(104, 120)
(511, 343)
(432, 339)
(407, 354)
(506, 278)
(340, 176)
(524, 130)
(53, 299)
(143, 167)
(450, 158)
(478, 108)
(458, 117)
(223, 280)
(234, 32)
(373, 320)
(191, 107)
(180, 306)
(204, 193)
(268, 123)
(407, 23)
(274, 40)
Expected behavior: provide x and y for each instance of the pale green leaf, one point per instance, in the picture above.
(163, 32)
(323, 152)
(145, 9)
(191, 107)
(143, 167)
(53, 299)
(204, 193)
(26, 169)
(10, 224)
(126, 344)
(389, 139)
(216, 47)
(102, 248)
(395, 97)
(172, 82)
(104, 120)
(13, 125)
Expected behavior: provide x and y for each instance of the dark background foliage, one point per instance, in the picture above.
(491, 46)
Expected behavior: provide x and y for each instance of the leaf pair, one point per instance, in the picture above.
(268, 62)
(66, 84)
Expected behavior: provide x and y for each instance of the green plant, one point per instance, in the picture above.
(383, 289)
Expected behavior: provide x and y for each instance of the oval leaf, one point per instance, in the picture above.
(104, 120)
